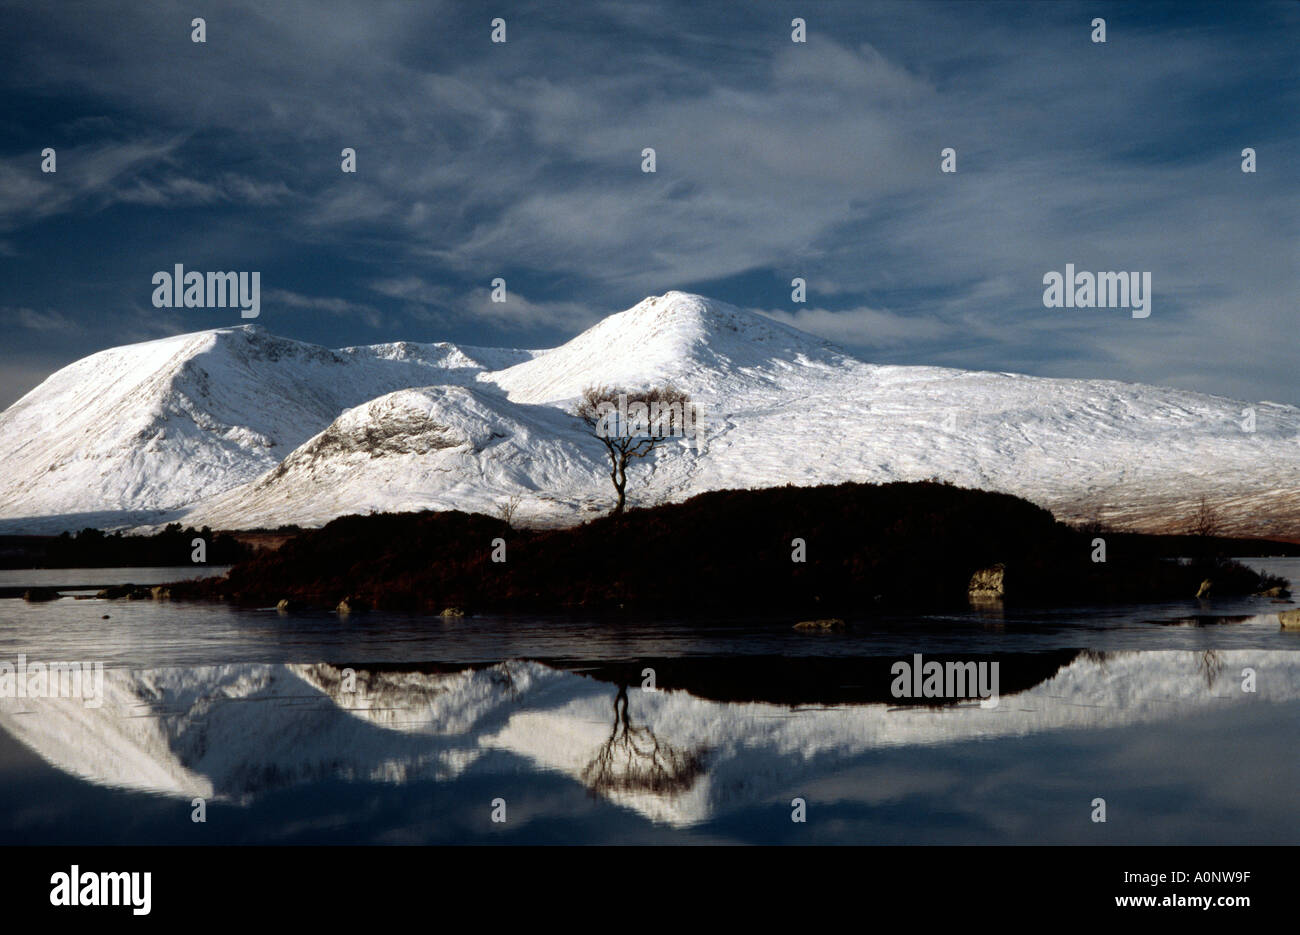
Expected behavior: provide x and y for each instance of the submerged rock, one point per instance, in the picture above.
(831, 623)
(39, 595)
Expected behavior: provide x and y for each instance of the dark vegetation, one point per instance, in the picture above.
(93, 548)
(798, 680)
(869, 547)
(792, 680)
(1201, 547)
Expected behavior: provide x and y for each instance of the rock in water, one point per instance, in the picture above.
(352, 605)
(38, 595)
(131, 592)
(987, 584)
(832, 623)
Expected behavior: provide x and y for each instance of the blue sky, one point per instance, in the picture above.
(775, 159)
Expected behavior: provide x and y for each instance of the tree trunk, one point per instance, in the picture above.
(620, 485)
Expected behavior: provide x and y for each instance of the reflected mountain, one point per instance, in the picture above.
(675, 755)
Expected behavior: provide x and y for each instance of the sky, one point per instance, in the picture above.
(774, 160)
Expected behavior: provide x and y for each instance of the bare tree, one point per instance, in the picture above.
(1205, 523)
(507, 509)
(1092, 524)
(631, 424)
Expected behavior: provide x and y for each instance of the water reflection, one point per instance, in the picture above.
(634, 759)
(237, 732)
(1210, 665)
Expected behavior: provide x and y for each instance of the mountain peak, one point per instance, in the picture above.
(677, 337)
(704, 319)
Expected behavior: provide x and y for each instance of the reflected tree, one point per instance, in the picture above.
(1210, 664)
(633, 759)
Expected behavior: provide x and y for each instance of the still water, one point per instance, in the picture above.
(397, 729)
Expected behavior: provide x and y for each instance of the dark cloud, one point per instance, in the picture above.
(522, 160)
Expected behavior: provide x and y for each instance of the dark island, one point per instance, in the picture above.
(94, 548)
(864, 547)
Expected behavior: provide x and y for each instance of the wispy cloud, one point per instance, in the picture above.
(33, 320)
(342, 308)
(86, 177)
(774, 159)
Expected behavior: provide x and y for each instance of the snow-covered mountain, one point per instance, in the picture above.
(237, 428)
(132, 431)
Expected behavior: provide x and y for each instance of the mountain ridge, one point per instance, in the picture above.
(236, 428)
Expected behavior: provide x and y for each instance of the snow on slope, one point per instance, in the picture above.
(438, 447)
(235, 428)
(1126, 453)
(159, 425)
(238, 731)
